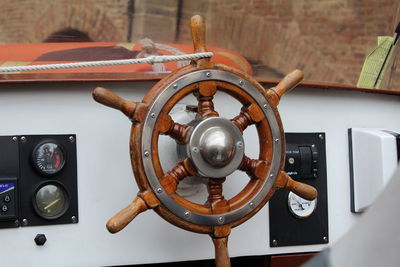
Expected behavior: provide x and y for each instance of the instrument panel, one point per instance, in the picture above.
(293, 220)
(38, 184)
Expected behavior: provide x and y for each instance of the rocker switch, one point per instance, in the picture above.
(306, 160)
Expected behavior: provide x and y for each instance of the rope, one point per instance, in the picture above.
(151, 48)
(147, 60)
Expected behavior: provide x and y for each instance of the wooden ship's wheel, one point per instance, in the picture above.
(210, 146)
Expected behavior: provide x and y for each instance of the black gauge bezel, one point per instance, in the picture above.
(33, 157)
(66, 196)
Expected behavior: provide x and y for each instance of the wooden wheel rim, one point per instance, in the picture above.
(156, 107)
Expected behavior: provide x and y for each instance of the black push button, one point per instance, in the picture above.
(40, 239)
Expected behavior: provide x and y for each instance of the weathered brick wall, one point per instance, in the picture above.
(30, 21)
(327, 39)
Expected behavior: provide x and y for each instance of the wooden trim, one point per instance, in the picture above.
(81, 77)
(155, 77)
(290, 260)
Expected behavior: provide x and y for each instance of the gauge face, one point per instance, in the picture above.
(48, 158)
(50, 201)
(300, 207)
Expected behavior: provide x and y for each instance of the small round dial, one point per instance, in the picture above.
(50, 201)
(48, 158)
(300, 207)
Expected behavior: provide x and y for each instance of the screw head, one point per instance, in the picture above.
(325, 239)
(71, 139)
(276, 140)
(146, 154)
(274, 242)
(23, 139)
(265, 106)
(251, 204)
(187, 214)
(14, 138)
(25, 222)
(195, 150)
(241, 82)
(208, 74)
(175, 86)
(239, 144)
(16, 222)
(220, 219)
(74, 219)
(321, 136)
(153, 115)
(159, 190)
(271, 175)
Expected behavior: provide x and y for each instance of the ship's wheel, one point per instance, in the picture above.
(210, 146)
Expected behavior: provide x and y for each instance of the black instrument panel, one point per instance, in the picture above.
(38, 180)
(293, 220)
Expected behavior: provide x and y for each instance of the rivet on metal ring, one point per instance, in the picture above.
(276, 140)
(241, 82)
(175, 86)
(271, 175)
(187, 214)
(208, 74)
(146, 153)
(251, 204)
(265, 106)
(220, 219)
(239, 144)
(195, 150)
(159, 190)
(153, 115)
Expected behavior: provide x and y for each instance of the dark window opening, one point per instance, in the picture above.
(68, 35)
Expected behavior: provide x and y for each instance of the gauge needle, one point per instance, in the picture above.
(51, 204)
(300, 205)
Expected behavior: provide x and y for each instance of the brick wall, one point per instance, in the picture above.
(327, 39)
(30, 21)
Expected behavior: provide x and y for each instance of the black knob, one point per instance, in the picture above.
(40, 239)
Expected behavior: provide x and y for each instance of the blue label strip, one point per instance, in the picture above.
(4, 187)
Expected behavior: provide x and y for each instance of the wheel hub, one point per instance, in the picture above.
(215, 147)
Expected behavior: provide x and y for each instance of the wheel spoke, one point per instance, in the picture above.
(216, 201)
(255, 168)
(214, 187)
(205, 95)
(248, 115)
(166, 125)
(171, 179)
(135, 111)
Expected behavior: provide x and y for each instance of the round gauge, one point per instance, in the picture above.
(48, 158)
(50, 201)
(300, 207)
